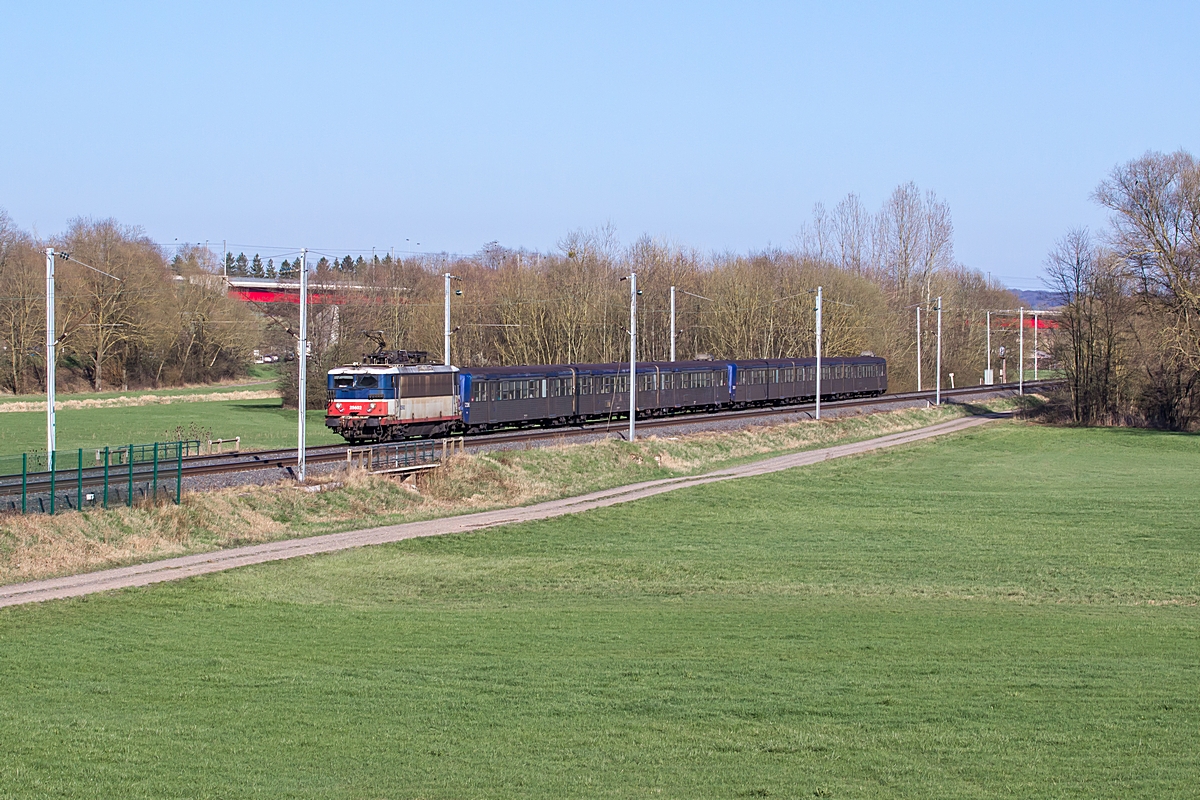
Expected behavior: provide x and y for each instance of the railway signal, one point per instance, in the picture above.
(818, 310)
(938, 391)
(1021, 354)
(987, 373)
(302, 362)
(633, 296)
(918, 347)
(446, 315)
(1035, 350)
(52, 340)
(672, 323)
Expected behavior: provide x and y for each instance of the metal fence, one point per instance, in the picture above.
(394, 457)
(88, 477)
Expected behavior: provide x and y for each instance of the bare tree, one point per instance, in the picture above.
(1094, 325)
(899, 234)
(22, 307)
(106, 301)
(1155, 202)
(852, 234)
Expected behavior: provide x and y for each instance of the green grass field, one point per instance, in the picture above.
(1009, 612)
(260, 423)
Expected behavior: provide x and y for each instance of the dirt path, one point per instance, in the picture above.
(187, 566)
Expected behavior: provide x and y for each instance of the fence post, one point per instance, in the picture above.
(105, 500)
(53, 475)
(24, 483)
(155, 472)
(178, 477)
(79, 483)
(129, 500)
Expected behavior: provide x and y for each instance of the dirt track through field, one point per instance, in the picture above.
(200, 564)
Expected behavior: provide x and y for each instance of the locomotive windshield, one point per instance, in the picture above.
(360, 381)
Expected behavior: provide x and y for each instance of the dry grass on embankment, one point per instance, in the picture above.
(38, 546)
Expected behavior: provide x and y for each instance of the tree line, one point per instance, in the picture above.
(127, 315)
(168, 320)
(1130, 321)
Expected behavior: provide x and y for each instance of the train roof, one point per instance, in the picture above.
(391, 369)
(544, 370)
(748, 363)
(556, 370)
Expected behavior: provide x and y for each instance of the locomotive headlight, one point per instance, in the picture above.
(339, 406)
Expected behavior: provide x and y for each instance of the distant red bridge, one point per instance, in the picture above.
(271, 290)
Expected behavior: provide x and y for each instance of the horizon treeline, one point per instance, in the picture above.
(169, 320)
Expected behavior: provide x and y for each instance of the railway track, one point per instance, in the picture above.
(120, 476)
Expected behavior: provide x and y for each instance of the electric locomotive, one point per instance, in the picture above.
(392, 394)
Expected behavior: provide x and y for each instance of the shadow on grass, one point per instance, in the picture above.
(975, 410)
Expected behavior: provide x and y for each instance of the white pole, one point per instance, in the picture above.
(446, 319)
(632, 355)
(989, 341)
(51, 362)
(918, 348)
(302, 361)
(672, 323)
(1021, 356)
(938, 392)
(818, 415)
(1035, 352)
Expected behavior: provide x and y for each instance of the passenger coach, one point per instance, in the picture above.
(379, 401)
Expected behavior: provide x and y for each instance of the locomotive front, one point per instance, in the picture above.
(376, 402)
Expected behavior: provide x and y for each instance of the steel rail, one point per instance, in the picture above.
(285, 458)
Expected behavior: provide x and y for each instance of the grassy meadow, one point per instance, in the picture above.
(262, 423)
(1007, 612)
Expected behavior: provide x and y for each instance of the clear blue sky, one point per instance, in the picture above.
(352, 125)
